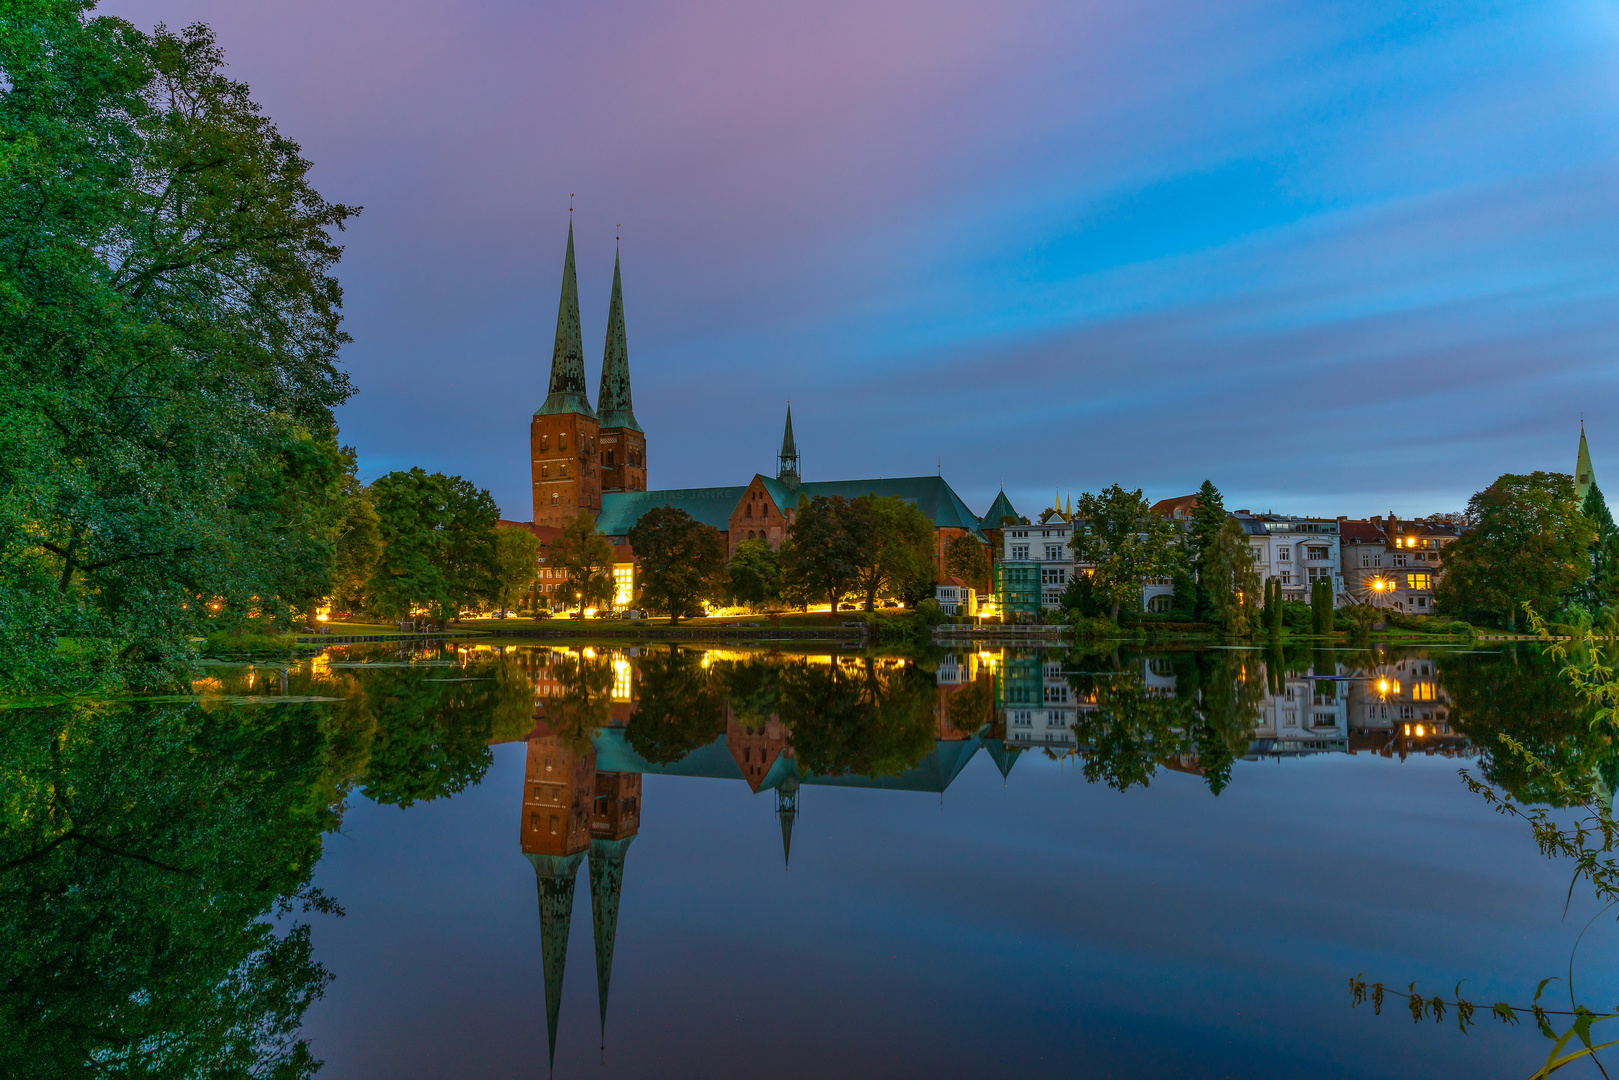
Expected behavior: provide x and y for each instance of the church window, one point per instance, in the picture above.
(555, 498)
(545, 470)
(607, 458)
(562, 440)
(545, 442)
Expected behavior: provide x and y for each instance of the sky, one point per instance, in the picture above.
(1339, 258)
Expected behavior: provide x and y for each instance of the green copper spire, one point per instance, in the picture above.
(1001, 507)
(1583, 478)
(613, 399)
(555, 875)
(606, 881)
(787, 460)
(567, 393)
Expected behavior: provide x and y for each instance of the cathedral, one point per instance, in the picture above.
(595, 459)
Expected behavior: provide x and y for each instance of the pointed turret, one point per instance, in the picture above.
(1001, 507)
(787, 460)
(568, 393)
(606, 882)
(555, 875)
(613, 399)
(1583, 477)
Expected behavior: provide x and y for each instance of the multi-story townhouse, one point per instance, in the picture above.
(1296, 551)
(1393, 562)
(1035, 565)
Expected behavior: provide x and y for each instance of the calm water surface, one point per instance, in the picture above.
(715, 863)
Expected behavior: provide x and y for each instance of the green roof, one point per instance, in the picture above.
(713, 506)
(1001, 507)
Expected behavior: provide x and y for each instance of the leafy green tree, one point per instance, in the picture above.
(972, 706)
(517, 564)
(968, 560)
(1602, 587)
(585, 702)
(1125, 542)
(678, 707)
(1228, 582)
(682, 561)
(1321, 606)
(586, 557)
(168, 355)
(358, 542)
(1525, 541)
(895, 549)
(1082, 597)
(438, 536)
(822, 554)
(1208, 522)
(754, 574)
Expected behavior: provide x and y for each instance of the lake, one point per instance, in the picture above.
(717, 862)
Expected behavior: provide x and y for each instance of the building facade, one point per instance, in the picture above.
(1394, 563)
(1296, 551)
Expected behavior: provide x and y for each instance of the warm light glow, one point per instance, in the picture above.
(590, 613)
(1382, 686)
(1408, 729)
(589, 653)
(1419, 731)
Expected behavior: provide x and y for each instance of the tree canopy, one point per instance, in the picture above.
(586, 558)
(168, 353)
(1525, 541)
(438, 535)
(682, 561)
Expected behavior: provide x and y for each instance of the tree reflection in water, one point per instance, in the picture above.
(149, 847)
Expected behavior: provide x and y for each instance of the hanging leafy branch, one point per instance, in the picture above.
(1588, 842)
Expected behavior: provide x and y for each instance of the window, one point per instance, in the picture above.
(545, 471)
(1399, 560)
(1020, 552)
(1056, 695)
(554, 498)
(562, 440)
(1316, 553)
(1287, 578)
(1377, 560)
(1053, 552)
(1283, 555)
(607, 458)
(1160, 603)
(1422, 601)
(1421, 581)
(1324, 719)
(545, 442)
(1424, 691)
(1365, 562)
(1054, 575)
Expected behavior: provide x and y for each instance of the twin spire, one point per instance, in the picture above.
(568, 392)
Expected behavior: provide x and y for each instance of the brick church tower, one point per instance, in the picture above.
(563, 434)
(623, 443)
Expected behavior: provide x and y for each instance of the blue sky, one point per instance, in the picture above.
(1338, 258)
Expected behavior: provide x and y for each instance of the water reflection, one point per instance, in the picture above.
(150, 849)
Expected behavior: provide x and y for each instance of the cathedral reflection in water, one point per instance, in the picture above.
(605, 718)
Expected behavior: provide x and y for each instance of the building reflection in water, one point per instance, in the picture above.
(582, 783)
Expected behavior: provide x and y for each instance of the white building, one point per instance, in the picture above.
(1296, 551)
(955, 597)
(1043, 555)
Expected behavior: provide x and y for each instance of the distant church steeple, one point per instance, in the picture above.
(1584, 480)
(606, 884)
(787, 460)
(562, 435)
(555, 875)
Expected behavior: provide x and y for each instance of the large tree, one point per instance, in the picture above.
(1125, 542)
(1602, 587)
(358, 541)
(1228, 581)
(682, 561)
(754, 575)
(517, 563)
(171, 331)
(968, 560)
(438, 536)
(1208, 520)
(895, 549)
(822, 554)
(678, 707)
(1525, 541)
(586, 559)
